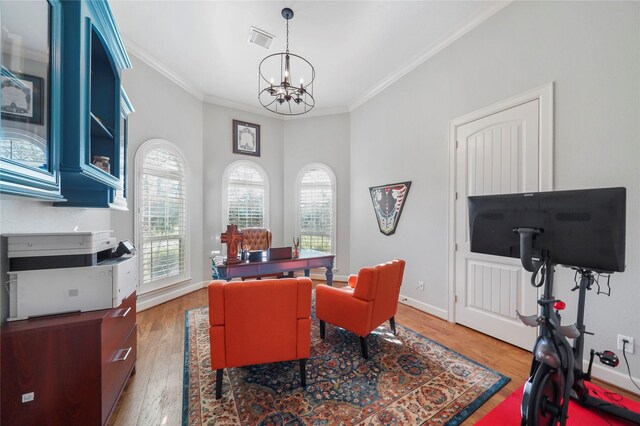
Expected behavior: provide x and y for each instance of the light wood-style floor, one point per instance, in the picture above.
(153, 396)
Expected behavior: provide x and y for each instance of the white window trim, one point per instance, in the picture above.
(225, 190)
(141, 154)
(334, 200)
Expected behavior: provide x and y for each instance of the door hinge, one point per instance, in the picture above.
(456, 195)
(455, 298)
(456, 247)
(456, 144)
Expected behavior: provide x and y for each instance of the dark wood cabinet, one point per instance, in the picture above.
(67, 369)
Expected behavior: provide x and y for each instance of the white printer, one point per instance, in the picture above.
(54, 273)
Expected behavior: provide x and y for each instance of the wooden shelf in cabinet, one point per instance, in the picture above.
(99, 129)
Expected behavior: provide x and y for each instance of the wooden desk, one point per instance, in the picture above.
(308, 259)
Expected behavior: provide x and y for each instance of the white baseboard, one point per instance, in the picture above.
(617, 377)
(425, 307)
(340, 278)
(154, 298)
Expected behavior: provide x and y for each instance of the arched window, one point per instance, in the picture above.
(245, 194)
(161, 215)
(316, 208)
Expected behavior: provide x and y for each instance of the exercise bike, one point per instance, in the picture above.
(556, 373)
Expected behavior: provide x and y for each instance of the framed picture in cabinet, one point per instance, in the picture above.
(246, 138)
(22, 98)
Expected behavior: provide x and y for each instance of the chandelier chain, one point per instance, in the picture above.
(287, 35)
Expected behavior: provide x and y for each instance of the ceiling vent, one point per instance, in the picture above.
(261, 38)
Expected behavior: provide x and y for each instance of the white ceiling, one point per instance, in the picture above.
(356, 47)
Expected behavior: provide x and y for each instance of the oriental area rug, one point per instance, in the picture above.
(407, 380)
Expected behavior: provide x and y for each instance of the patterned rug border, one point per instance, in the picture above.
(185, 369)
(454, 421)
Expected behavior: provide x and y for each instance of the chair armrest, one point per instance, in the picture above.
(352, 280)
(216, 302)
(304, 297)
(340, 308)
(303, 346)
(366, 285)
(217, 347)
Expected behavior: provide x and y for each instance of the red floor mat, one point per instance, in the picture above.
(508, 412)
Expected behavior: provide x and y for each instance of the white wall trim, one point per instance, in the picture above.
(322, 277)
(154, 298)
(430, 51)
(544, 94)
(424, 307)
(154, 63)
(614, 377)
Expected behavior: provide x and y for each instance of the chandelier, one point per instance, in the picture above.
(286, 97)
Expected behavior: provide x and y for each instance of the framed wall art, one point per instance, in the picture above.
(22, 98)
(246, 138)
(388, 201)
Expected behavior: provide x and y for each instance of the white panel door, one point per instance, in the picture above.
(497, 154)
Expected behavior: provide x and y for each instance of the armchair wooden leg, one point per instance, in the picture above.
(363, 345)
(392, 323)
(219, 373)
(321, 329)
(303, 372)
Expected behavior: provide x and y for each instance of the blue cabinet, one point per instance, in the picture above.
(91, 165)
(68, 147)
(30, 99)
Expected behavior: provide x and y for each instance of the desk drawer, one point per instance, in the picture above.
(116, 365)
(118, 323)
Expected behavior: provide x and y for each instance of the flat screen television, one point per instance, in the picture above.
(579, 228)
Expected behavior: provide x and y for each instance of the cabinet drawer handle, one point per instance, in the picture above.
(125, 312)
(124, 358)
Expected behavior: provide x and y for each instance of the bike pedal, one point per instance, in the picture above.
(608, 358)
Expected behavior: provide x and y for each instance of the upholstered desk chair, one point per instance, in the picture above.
(256, 238)
(370, 299)
(258, 322)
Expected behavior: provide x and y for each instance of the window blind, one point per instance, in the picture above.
(316, 210)
(245, 197)
(163, 216)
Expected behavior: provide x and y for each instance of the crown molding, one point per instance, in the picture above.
(228, 103)
(430, 51)
(413, 63)
(154, 63)
(254, 109)
(173, 76)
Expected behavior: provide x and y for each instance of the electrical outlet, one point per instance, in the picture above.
(630, 347)
(28, 397)
(421, 285)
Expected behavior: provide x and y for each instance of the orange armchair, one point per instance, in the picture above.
(370, 299)
(257, 322)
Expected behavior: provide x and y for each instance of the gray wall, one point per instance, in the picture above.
(164, 110)
(319, 140)
(592, 53)
(218, 154)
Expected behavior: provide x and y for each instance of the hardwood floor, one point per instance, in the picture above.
(153, 396)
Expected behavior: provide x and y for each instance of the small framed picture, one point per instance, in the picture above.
(246, 138)
(22, 98)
